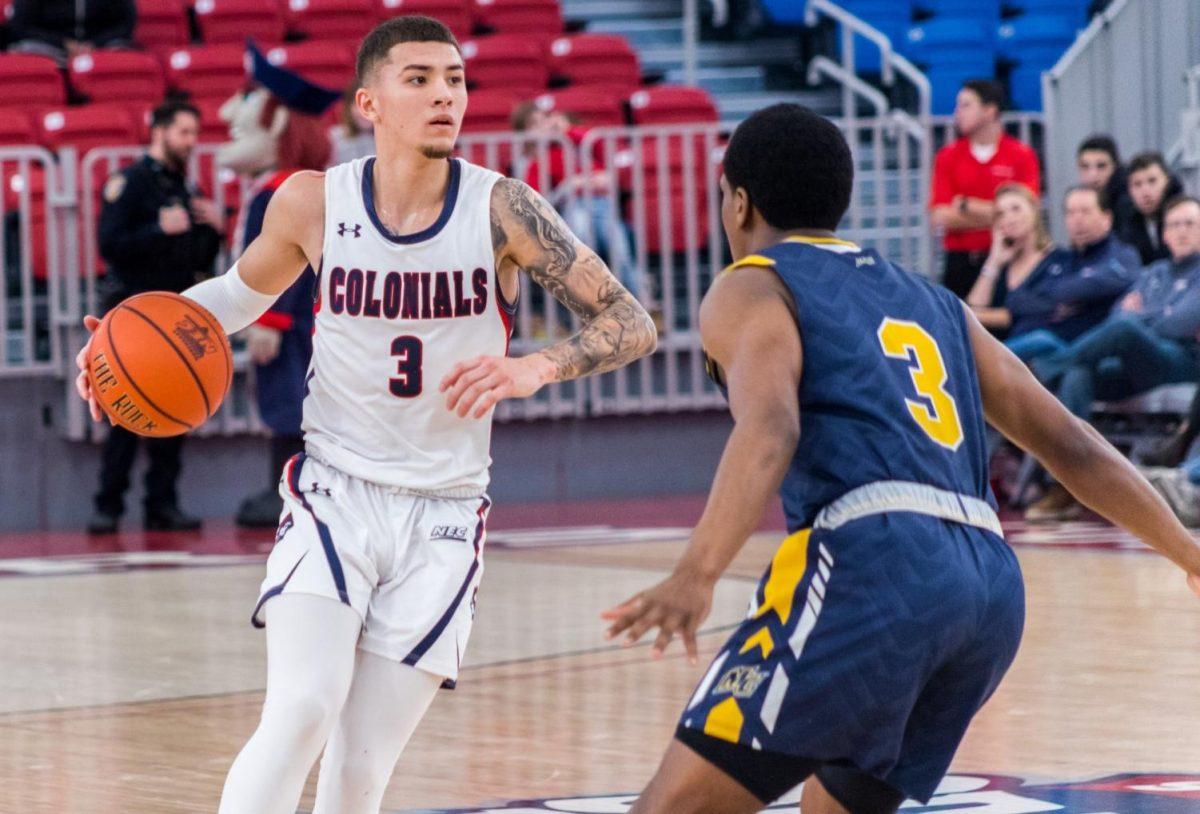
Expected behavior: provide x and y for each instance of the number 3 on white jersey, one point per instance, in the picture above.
(912, 343)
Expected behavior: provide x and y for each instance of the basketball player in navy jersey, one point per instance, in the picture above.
(368, 597)
(892, 611)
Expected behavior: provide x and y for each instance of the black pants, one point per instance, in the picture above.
(120, 449)
(961, 271)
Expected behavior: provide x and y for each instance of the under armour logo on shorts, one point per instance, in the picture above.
(343, 229)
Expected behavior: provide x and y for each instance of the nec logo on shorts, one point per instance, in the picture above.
(449, 533)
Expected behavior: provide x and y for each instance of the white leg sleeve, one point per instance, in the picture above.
(311, 643)
(230, 300)
(386, 702)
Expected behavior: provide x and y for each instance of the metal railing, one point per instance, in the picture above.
(646, 197)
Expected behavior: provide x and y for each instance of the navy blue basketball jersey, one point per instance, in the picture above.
(888, 389)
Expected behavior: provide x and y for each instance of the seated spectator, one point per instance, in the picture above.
(63, 29)
(1019, 243)
(1099, 166)
(353, 136)
(1149, 340)
(1150, 185)
(1073, 289)
(590, 204)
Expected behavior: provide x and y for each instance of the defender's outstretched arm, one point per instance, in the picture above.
(749, 330)
(1074, 453)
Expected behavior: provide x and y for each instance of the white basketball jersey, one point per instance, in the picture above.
(394, 314)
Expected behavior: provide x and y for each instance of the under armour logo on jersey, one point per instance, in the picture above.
(343, 229)
(320, 490)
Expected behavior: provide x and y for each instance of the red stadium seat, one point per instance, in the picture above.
(593, 107)
(529, 17)
(489, 111)
(16, 128)
(208, 71)
(454, 14)
(15, 186)
(595, 59)
(681, 211)
(213, 130)
(30, 81)
(672, 104)
(235, 20)
(506, 61)
(330, 64)
(330, 19)
(86, 127)
(162, 24)
(118, 76)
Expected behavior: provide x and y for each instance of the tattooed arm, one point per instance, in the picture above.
(528, 234)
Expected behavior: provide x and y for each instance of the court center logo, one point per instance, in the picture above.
(958, 794)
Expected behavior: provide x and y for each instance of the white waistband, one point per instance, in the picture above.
(460, 493)
(902, 496)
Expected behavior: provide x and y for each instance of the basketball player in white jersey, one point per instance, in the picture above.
(369, 593)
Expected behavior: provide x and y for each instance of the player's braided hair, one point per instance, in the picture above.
(408, 28)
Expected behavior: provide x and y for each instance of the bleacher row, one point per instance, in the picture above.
(104, 98)
(956, 40)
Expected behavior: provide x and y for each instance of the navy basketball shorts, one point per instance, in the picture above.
(873, 639)
(408, 565)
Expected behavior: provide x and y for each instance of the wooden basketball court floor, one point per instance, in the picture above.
(129, 676)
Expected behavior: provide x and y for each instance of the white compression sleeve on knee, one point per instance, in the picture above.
(230, 300)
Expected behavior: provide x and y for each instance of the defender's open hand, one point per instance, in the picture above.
(676, 606)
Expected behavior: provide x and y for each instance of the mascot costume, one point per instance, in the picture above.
(275, 130)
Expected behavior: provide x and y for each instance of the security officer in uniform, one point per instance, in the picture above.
(156, 234)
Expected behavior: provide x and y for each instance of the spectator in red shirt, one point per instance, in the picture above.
(966, 175)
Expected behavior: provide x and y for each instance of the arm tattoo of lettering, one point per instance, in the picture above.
(616, 330)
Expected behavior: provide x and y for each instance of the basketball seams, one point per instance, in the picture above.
(112, 346)
(212, 324)
(179, 353)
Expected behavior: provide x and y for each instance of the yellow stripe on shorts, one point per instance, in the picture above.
(787, 569)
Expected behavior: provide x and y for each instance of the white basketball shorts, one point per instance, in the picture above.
(409, 565)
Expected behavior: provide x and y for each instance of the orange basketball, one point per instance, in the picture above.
(159, 364)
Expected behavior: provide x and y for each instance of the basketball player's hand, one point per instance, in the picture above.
(479, 384)
(82, 386)
(677, 606)
(263, 343)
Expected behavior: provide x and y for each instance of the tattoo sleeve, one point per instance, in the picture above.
(616, 328)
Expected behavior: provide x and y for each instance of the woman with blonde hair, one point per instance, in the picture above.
(1020, 243)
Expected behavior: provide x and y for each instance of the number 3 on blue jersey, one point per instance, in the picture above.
(912, 343)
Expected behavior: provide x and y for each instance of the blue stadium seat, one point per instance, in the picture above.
(1036, 37)
(945, 41)
(784, 12)
(891, 17)
(1025, 87)
(947, 80)
(974, 8)
(1075, 9)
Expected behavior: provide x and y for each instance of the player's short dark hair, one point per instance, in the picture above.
(1102, 199)
(164, 115)
(1099, 143)
(794, 165)
(1146, 160)
(407, 28)
(989, 91)
(1178, 200)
